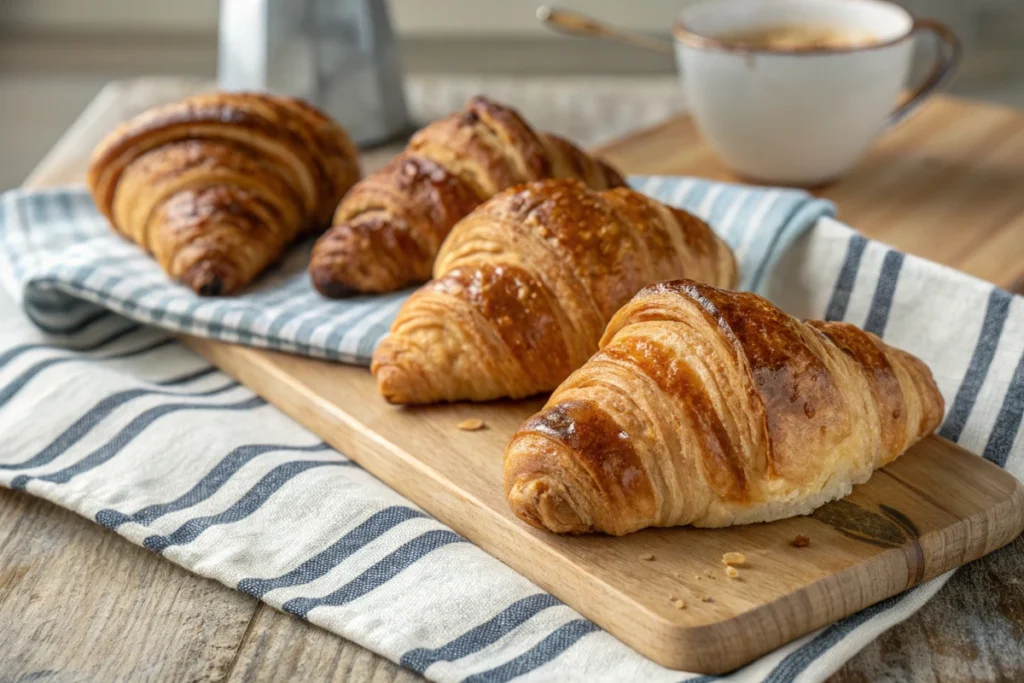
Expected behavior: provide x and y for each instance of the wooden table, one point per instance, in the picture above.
(961, 161)
(77, 602)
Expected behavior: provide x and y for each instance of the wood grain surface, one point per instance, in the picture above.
(132, 614)
(973, 629)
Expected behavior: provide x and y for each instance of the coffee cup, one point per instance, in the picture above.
(794, 92)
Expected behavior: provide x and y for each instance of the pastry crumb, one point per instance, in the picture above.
(471, 425)
(706, 598)
(648, 557)
(732, 572)
(679, 603)
(698, 577)
(800, 541)
(733, 559)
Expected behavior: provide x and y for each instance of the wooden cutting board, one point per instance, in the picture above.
(932, 510)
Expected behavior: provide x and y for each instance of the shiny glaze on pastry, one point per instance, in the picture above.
(525, 285)
(710, 408)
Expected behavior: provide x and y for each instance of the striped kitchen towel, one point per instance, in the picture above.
(136, 439)
(62, 262)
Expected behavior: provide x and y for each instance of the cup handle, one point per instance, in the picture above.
(946, 61)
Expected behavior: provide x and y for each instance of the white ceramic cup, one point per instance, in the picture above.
(801, 117)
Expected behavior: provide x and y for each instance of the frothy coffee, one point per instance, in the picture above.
(798, 37)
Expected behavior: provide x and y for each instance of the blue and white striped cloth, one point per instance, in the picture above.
(144, 437)
(57, 251)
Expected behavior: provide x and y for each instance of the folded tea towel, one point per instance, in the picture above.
(64, 263)
(136, 438)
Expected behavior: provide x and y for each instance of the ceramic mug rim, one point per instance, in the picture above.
(686, 37)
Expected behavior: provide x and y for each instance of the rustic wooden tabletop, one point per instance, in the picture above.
(77, 602)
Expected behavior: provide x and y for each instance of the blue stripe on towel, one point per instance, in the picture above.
(1008, 421)
(843, 288)
(797, 661)
(218, 476)
(329, 558)
(479, 637)
(11, 389)
(15, 351)
(996, 312)
(250, 502)
(81, 427)
(557, 642)
(205, 488)
(127, 434)
(885, 291)
(380, 573)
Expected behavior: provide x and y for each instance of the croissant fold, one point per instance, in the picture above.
(525, 285)
(216, 186)
(711, 408)
(388, 230)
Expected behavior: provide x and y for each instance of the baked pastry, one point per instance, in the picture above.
(216, 186)
(711, 408)
(388, 230)
(525, 285)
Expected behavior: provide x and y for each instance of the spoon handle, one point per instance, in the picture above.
(581, 25)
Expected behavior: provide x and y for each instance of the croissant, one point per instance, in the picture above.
(388, 230)
(216, 186)
(525, 285)
(711, 408)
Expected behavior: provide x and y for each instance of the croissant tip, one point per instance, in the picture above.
(392, 383)
(544, 504)
(331, 287)
(212, 287)
(336, 290)
(205, 279)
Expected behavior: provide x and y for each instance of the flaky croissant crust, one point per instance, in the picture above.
(215, 186)
(711, 408)
(525, 285)
(388, 230)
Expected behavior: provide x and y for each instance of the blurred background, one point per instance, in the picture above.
(55, 55)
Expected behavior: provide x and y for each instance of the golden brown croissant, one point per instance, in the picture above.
(712, 408)
(216, 186)
(389, 228)
(526, 284)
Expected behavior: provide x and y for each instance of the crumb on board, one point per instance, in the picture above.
(732, 572)
(706, 598)
(471, 425)
(708, 573)
(698, 577)
(647, 557)
(679, 603)
(800, 541)
(733, 559)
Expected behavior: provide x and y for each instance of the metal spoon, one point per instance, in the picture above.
(581, 25)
